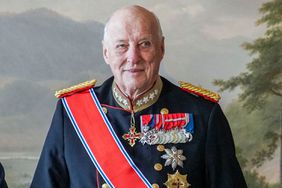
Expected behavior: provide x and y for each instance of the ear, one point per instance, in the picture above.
(105, 52)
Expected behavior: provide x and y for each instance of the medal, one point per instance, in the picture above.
(132, 135)
(166, 128)
(177, 180)
(173, 157)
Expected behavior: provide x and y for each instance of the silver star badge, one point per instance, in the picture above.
(139, 102)
(173, 157)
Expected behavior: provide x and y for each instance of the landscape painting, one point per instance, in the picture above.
(230, 47)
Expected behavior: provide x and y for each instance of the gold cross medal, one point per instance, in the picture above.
(132, 136)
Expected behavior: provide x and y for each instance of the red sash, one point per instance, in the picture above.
(101, 143)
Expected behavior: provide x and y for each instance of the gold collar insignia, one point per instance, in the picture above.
(141, 102)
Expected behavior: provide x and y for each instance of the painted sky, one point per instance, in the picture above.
(216, 18)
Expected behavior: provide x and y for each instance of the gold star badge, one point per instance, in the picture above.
(177, 180)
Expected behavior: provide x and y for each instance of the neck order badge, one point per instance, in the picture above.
(96, 134)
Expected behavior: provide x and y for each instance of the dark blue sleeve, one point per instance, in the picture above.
(51, 169)
(222, 167)
(3, 183)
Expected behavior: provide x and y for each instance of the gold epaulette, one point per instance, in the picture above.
(76, 88)
(207, 94)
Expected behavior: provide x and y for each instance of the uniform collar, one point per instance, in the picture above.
(142, 101)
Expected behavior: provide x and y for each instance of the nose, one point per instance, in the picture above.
(133, 55)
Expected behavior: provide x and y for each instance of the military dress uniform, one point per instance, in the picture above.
(3, 183)
(205, 158)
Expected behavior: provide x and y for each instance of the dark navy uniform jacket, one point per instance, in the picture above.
(210, 156)
(3, 183)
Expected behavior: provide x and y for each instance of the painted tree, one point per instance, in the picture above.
(263, 78)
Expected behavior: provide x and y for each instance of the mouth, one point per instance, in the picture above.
(134, 70)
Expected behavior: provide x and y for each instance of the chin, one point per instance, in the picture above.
(135, 84)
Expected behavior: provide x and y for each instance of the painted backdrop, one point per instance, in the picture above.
(46, 45)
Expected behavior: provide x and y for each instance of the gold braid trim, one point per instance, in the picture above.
(75, 88)
(207, 94)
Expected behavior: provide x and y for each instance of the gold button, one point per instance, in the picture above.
(105, 185)
(160, 148)
(164, 111)
(158, 167)
(105, 110)
(155, 185)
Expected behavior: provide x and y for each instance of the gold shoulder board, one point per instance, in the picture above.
(207, 94)
(76, 88)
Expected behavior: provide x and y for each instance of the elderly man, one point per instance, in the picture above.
(137, 129)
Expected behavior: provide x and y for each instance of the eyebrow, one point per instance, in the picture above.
(146, 38)
(120, 40)
(124, 40)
